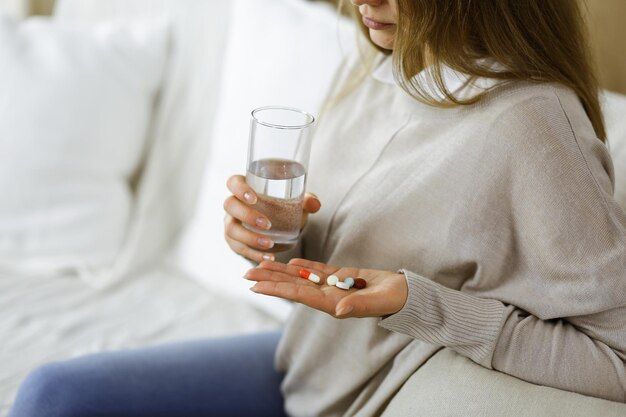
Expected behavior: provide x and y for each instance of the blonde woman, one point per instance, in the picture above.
(464, 176)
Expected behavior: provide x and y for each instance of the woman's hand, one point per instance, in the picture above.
(385, 294)
(240, 209)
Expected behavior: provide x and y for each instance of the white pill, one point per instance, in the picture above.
(314, 278)
(343, 285)
(349, 281)
(332, 280)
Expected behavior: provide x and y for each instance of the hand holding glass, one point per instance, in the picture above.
(278, 158)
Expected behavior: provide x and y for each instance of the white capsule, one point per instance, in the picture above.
(314, 278)
(342, 285)
(332, 280)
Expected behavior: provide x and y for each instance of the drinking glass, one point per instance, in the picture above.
(278, 159)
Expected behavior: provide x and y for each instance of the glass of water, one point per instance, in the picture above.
(278, 159)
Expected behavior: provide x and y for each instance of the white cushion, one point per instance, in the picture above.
(614, 106)
(449, 384)
(74, 110)
(183, 119)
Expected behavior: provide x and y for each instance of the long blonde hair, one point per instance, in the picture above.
(535, 40)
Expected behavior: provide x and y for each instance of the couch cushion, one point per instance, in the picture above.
(74, 113)
(452, 385)
(182, 121)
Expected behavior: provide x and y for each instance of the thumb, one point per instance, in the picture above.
(312, 204)
(353, 305)
(367, 303)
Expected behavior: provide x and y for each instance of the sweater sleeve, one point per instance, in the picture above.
(498, 336)
(555, 314)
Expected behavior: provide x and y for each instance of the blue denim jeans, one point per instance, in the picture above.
(232, 376)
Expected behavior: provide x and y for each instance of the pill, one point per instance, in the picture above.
(314, 278)
(349, 281)
(360, 283)
(342, 285)
(332, 280)
(309, 275)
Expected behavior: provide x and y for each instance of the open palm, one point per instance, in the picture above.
(385, 294)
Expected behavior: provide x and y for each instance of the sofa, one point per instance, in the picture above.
(173, 277)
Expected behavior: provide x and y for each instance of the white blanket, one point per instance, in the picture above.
(44, 319)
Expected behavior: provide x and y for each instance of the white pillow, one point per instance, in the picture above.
(183, 121)
(74, 111)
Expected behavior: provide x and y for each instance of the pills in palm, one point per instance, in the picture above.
(309, 275)
(342, 285)
(346, 284)
(332, 280)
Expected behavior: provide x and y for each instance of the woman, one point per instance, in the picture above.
(471, 189)
(498, 212)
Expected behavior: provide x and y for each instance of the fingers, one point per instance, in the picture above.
(295, 270)
(277, 271)
(247, 252)
(272, 275)
(260, 274)
(312, 204)
(246, 214)
(361, 304)
(308, 295)
(287, 290)
(323, 268)
(235, 230)
(241, 240)
(237, 185)
(281, 267)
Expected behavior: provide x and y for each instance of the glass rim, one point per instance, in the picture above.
(310, 117)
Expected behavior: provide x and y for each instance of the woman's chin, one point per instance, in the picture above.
(381, 39)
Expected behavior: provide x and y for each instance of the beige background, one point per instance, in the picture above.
(607, 24)
(607, 27)
(42, 7)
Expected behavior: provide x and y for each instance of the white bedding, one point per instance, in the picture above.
(44, 319)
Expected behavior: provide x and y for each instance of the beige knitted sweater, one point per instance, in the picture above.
(501, 215)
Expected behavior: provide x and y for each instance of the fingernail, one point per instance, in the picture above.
(266, 242)
(253, 288)
(268, 257)
(342, 311)
(249, 197)
(263, 223)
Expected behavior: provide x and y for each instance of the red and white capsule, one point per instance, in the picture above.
(309, 275)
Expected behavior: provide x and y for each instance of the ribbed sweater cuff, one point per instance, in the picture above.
(442, 316)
